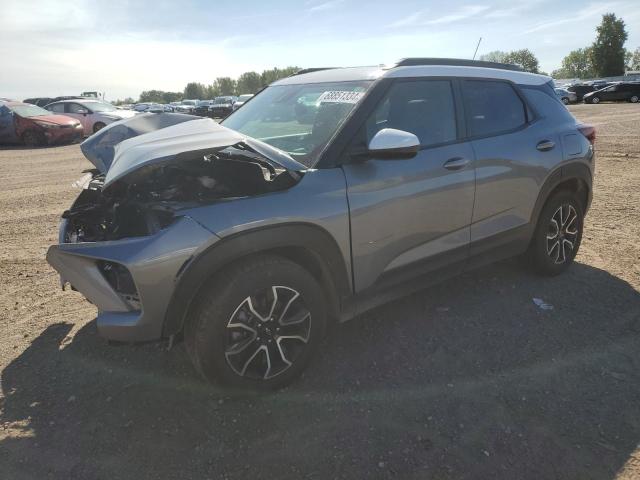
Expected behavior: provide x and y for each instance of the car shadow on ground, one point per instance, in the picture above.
(468, 379)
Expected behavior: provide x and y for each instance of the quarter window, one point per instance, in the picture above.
(492, 107)
(424, 108)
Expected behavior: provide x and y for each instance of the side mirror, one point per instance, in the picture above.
(391, 143)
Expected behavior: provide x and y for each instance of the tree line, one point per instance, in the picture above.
(605, 57)
(248, 82)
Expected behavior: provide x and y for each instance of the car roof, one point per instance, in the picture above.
(18, 104)
(410, 69)
(76, 100)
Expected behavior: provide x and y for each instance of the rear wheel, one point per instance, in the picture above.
(565, 100)
(634, 99)
(558, 234)
(98, 126)
(31, 138)
(257, 324)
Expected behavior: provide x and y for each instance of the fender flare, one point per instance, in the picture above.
(569, 171)
(315, 241)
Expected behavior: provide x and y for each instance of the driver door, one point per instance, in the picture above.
(80, 113)
(7, 126)
(412, 216)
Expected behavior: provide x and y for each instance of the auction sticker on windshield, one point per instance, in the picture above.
(338, 96)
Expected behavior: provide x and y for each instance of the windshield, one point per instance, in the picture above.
(221, 100)
(29, 110)
(244, 98)
(99, 106)
(189, 102)
(299, 119)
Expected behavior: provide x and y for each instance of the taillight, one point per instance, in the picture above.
(589, 131)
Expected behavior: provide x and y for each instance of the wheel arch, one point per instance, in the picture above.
(310, 246)
(575, 177)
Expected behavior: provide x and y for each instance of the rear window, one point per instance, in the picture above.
(492, 107)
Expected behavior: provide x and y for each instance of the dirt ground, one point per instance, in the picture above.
(467, 380)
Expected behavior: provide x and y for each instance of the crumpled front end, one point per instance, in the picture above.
(128, 235)
(131, 280)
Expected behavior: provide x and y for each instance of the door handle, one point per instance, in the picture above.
(545, 145)
(456, 163)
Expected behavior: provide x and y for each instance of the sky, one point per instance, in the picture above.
(122, 47)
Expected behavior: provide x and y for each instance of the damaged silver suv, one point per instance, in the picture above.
(330, 192)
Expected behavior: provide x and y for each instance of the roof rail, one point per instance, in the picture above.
(311, 70)
(458, 62)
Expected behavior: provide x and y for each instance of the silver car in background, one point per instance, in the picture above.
(566, 96)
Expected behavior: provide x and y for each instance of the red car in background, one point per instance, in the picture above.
(34, 126)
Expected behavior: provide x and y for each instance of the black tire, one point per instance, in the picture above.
(98, 126)
(634, 99)
(565, 100)
(31, 138)
(594, 100)
(544, 255)
(237, 357)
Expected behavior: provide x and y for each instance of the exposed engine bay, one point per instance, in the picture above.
(146, 200)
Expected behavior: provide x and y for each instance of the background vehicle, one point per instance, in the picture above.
(202, 108)
(580, 90)
(241, 100)
(34, 126)
(149, 107)
(566, 96)
(250, 235)
(222, 106)
(186, 106)
(620, 92)
(93, 114)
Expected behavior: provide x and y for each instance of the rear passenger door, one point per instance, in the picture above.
(514, 151)
(411, 216)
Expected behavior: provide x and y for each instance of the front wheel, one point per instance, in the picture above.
(565, 100)
(558, 234)
(98, 126)
(595, 100)
(634, 99)
(31, 138)
(257, 324)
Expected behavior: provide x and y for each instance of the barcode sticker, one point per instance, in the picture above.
(337, 96)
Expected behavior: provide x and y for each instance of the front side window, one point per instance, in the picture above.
(76, 108)
(424, 108)
(298, 119)
(57, 107)
(492, 107)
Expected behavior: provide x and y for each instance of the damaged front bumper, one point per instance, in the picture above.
(131, 280)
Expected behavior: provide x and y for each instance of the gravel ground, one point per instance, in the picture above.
(469, 379)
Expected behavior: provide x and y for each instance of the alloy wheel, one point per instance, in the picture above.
(595, 100)
(267, 332)
(634, 99)
(562, 233)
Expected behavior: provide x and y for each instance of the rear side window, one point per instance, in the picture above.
(58, 108)
(424, 108)
(492, 107)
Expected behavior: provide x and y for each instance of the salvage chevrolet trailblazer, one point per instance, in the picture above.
(330, 192)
